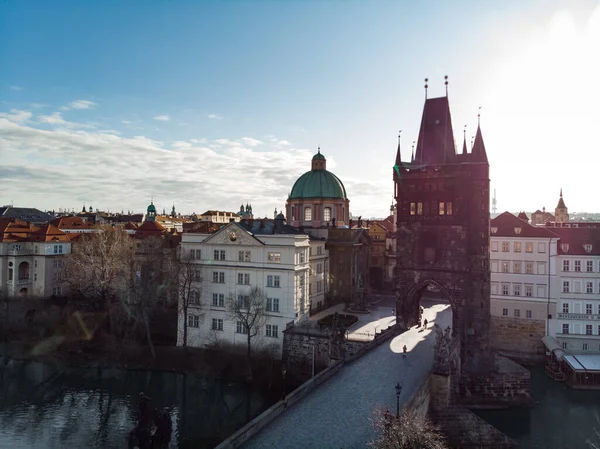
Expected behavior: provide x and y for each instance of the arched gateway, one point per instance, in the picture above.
(443, 231)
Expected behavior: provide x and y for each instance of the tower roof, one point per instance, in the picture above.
(435, 145)
(478, 151)
(561, 202)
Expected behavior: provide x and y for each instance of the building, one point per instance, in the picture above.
(26, 214)
(232, 260)
(561, 212)
(217, 216)
(31, 259)
(443, 212)
(378, 233)
(523, 261)
(541, 217)
(318, 198)
(73, 225)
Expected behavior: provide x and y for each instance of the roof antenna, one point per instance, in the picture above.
(446, 83)
(426, 86)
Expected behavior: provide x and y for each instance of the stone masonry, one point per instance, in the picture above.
(518, 338)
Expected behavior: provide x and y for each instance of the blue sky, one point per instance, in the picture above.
(210, 104)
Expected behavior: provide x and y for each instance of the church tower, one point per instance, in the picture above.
(561, 212)
(443, 221)
(151, 212)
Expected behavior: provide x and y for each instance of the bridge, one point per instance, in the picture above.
(337, 413)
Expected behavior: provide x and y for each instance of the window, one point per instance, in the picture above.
(588, 248)
(193, 321)
(217, 324)
(528, 313)
(541, 247)
(413, 208)
(517, 313)
(589, 266)
(449, 208)
(58, 249)
(585, 346)
(529, 290)
(243, 301)
(309, 289)
(441, 208)
(505, 267)
(419, 208)
(565, 345)
(598, 329)
(327, 214)
(218, 300)
(319, 286)
(301, 257)
(529, 267)
(565, 286)
(319, 268)
(589, 287)
(36, 249)
(588, 309)
(195, 254)
(529, 247)
(565, 328)
(272, 281)
(505, 289)
(578, 265)
(308, 214)
(505, 247)
(494, 246)
(272, 331)
(517, 247)
(274, 257)
(565, 307)
(565, 247)
(54, 263)
(319, 250)
(504, 312)
(566, 265)
(219, 277)
(517, 289)
(243, 256)
(57, 291)
(240, 328)
(541, 268)
(272, 304)
(516, 267)
(195, 297)
(243, 278)
(219, 254)
(588, 329)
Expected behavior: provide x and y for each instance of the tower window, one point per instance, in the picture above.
(449, 208)
(412, 208)
(419, 208)
(442, 208)
(327, 214)
(307, 214)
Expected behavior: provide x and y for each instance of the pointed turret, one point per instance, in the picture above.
(561, 202)
(398, 167)
(435, 145)
(478, 152)
(464, 151)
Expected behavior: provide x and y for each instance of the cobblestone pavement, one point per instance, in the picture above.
(336, 415)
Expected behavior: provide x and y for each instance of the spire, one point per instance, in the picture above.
(464, 151)
(426, 86)
(561, 192)
(446, 83)
(561, 203)
(412, 157)
(398, 155)
(478, 151)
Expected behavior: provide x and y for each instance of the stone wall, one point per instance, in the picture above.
(518, 337)
(420, 400)
(509, 385)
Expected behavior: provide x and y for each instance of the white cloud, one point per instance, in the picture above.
(215, 117)
(180, 145)
(226, 142)
(162, 118)
(57, 119)
(16, 115)
(199, 141)
(126, 122)
(250, 141)
(16, 88)
(80, 104)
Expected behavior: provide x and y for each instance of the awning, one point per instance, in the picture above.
(553, 346)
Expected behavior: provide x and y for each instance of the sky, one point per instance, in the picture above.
(208, 105)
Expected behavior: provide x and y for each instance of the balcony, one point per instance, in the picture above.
(24, 281)
(20, 252)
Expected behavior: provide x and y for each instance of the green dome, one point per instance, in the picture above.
(151, 208)
(318, 157)
(318, 184)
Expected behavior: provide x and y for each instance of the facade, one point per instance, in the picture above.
(318, 198)
(73, 225)
(577, 324)
(217, 216)
(318, 286)
(541, 217)
(31, 259)
(443, 235)
(230, 262)
(523, 261)
(378, 272)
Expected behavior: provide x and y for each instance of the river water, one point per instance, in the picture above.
(42, 407)
(562, 418)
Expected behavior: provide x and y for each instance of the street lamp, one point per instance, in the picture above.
(398, 391)
(283, 373)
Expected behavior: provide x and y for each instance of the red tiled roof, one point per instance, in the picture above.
(506, 223)
(150, 228)
(576, 239)
(48, 233)
(71, 223)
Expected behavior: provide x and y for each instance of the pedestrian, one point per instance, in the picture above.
(425, 323)
(404, 352)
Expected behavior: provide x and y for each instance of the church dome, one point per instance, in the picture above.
(151, 208)
(318, 184)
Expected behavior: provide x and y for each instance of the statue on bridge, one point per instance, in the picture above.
(336, 339)
(443, 342)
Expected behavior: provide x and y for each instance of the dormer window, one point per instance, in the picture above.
(494, 230)
(517, 231)
(565, 247)
(588, 248)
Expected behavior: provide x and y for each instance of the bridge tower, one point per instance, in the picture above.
(443, 208)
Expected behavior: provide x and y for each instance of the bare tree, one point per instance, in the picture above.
(97, 264)
(249, 311)
(405, 432)
(189, 288)
(594, 442)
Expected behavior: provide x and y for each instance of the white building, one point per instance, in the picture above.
(523, 260)
(319, 273)
(217, 216)
(577, 328)
(233, 260)
(31, 259)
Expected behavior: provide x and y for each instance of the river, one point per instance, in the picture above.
(562, 418)
(42, 407)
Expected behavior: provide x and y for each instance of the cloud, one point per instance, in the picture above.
(250, 141)
(16, 115)
(80, 104)
(126, 122)
(215, 117)
(57, 119)
(162, 118)
(279, 143)
(16, 88)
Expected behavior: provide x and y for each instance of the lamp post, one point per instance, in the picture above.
(283, 373)
(398, 391)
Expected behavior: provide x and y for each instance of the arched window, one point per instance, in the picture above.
(308, 214)
(327, 214)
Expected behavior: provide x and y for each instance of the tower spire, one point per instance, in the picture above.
(412, 157)
(398, 155)
(426, 86)
(561, 192)
(446, 83)
(464, 151)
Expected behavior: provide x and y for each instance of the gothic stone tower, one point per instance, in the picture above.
(443, 235)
